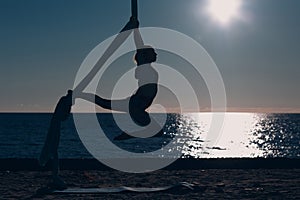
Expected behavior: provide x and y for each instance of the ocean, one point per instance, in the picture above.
(243, 135)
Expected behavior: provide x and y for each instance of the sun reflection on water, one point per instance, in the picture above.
(277, 135)
(243, 135)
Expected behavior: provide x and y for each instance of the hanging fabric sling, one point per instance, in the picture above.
(63, 107)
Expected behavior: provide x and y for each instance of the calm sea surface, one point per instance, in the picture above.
(242, 135)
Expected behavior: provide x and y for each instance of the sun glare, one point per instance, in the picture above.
(224, 10)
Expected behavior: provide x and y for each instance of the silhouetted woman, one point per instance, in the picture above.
(147, 78)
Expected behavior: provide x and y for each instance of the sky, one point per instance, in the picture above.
(43, 43)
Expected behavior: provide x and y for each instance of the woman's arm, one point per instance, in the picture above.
(132, 24)
(138, 40)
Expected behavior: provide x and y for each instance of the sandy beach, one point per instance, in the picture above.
(214, 183)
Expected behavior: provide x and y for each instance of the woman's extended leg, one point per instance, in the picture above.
(121, 105)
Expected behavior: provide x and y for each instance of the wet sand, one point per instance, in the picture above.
(214, 183)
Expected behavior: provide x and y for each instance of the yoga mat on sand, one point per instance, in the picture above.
(182, 187)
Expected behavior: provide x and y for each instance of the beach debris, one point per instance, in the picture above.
(220, 185)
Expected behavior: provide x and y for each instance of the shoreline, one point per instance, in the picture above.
(15, 164)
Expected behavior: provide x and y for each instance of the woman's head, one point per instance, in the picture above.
(145, 55)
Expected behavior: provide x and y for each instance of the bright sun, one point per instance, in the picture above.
(224, 10)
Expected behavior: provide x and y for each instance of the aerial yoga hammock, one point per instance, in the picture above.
(136, 104)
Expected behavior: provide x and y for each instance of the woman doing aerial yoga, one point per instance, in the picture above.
(135, 105)
(147, 78)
